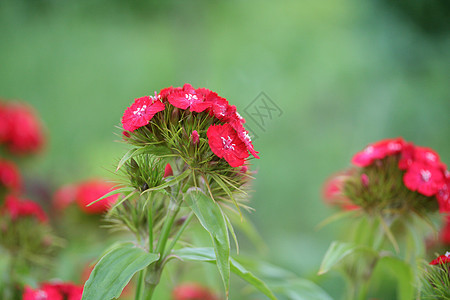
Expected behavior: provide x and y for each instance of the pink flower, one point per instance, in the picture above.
(378, 150)
(443, 196)
(141, 112)
(44, 293)
(195, 137)
(19, 208)
(188, 98)
(225, 143)
(168, 171)
(443, 259)
(192, 291)
(9, 176)
(64, 196)
(411, 153)
(91, 190)
(425, 179)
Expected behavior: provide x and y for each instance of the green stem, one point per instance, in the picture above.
(165, 232)
(140, 287)
(180, 232)
(150, 224)
(151, 290)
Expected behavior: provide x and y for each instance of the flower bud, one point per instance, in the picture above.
(365, 179)
(168, 171)
(195, 137)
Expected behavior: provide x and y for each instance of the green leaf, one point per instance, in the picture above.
(338, 251)
(113, 192)
(208, 255)
(114, 270)
(404, 274)
(212, 219)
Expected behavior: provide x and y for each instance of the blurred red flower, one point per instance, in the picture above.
(168, 171)
(378, 150)
(141, 112)
(9, 176)
(64, 196)
(423, 178)
(17, 208)
(333, 193)
(91, 190)
(443, 259)
(44, 293)
(225, 143)
(192, 291)
(445, 231)
(69, 290)
(20, 129)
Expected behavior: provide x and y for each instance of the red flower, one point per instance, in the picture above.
(244, 137)
(20, 129)
(18, 208)
(44, 293)
(9, 175)
(218, 107)
(411, 153)
(64, 196)
(69, 290)
(378, 150)
(164, 93)
(443, 196)
(92, 190)
(423, 178)
(192, 291)
(443, 259)
(141, 112)
(225, 143)
(333, 194)
(168, 171)
(188, 98)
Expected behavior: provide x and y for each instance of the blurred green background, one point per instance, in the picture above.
(344, 72)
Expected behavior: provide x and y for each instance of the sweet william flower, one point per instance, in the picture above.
(192, 291)
(9, 176)
(64, 196)
(91, 190)
(188, 98)
(443, 259)
(141, 112)
(225, 143)
(19, 208)
(443, 196)
(423, 178)
(378, 150)
(44, 293)
(244, 137)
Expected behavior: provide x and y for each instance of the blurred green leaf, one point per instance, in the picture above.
(212, 219)
(338, 251)
(208, 255)
(114, 270)
(404, 274)
(302, 289)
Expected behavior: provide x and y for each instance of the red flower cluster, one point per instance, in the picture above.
(16, 208)
(424, 172)
(443, 259)
(20, 129)
(228, 140)
(83, 194)
(192, 291)
(54, 291)
(9, 176)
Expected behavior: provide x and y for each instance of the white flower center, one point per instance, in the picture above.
(426, 175)
(41, 295)
(227, 143)
(430, 156)
(369, 149)
(191, 98)
(394, 146)
(140, 110)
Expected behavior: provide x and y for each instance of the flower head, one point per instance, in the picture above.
(378, 150)
(141, 112)
(441, 260)
(423, 178)
(64, 196)
(188, 97)
(44, 293)
(91, 190)
(9, 176)
(225, 143)
(19, 208)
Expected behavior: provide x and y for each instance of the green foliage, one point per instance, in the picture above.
(436, 282)
(212, 219)
(114, 270)
(404, 273)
